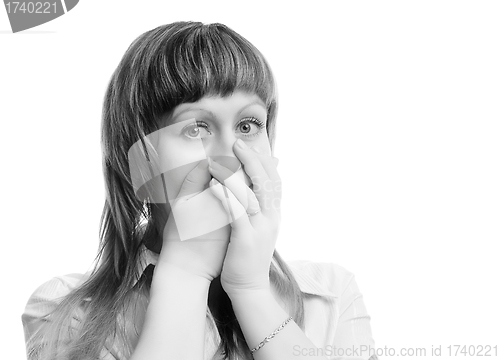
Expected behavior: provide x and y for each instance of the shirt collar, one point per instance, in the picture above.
(312, 278)
(306, 273)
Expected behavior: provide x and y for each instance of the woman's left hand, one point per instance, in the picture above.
(254, 233)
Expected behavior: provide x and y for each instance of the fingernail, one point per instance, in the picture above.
(241, 144)
(256, 149)
(276, 160)
(213, 182)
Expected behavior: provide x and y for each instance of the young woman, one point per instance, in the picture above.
(187, 267)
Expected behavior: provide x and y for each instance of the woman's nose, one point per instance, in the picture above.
(230, 162)
(221, 150)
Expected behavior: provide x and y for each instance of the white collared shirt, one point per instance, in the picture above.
(335, 317)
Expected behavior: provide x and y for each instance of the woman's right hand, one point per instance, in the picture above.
(192, 238)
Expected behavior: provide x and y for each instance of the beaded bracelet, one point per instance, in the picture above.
(270, 336)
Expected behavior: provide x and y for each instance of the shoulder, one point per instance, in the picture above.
(321, 278)
(58, 286)
(49, 294)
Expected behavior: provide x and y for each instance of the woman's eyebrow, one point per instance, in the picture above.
(256, 102)
(174, 118)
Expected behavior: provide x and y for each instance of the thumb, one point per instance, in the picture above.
(195, 181)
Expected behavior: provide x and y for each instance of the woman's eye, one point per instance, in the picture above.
(196, 131)
(250, 126)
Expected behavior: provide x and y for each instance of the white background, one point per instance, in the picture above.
(388, 139)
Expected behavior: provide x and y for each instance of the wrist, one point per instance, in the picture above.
(177, 305)
(241, 289)
(250, 296)
(170, 277)
(259, 314)
(180, 259)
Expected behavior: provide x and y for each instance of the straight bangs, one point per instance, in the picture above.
(216, 61)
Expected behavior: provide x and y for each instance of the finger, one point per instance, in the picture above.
(200, 217)
(195, 181)
(262, 184)
(269, 163)
(233, 207)
(237, 186)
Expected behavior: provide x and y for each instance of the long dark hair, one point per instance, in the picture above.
(167, 66)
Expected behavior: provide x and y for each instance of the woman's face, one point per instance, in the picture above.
(209, 128)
